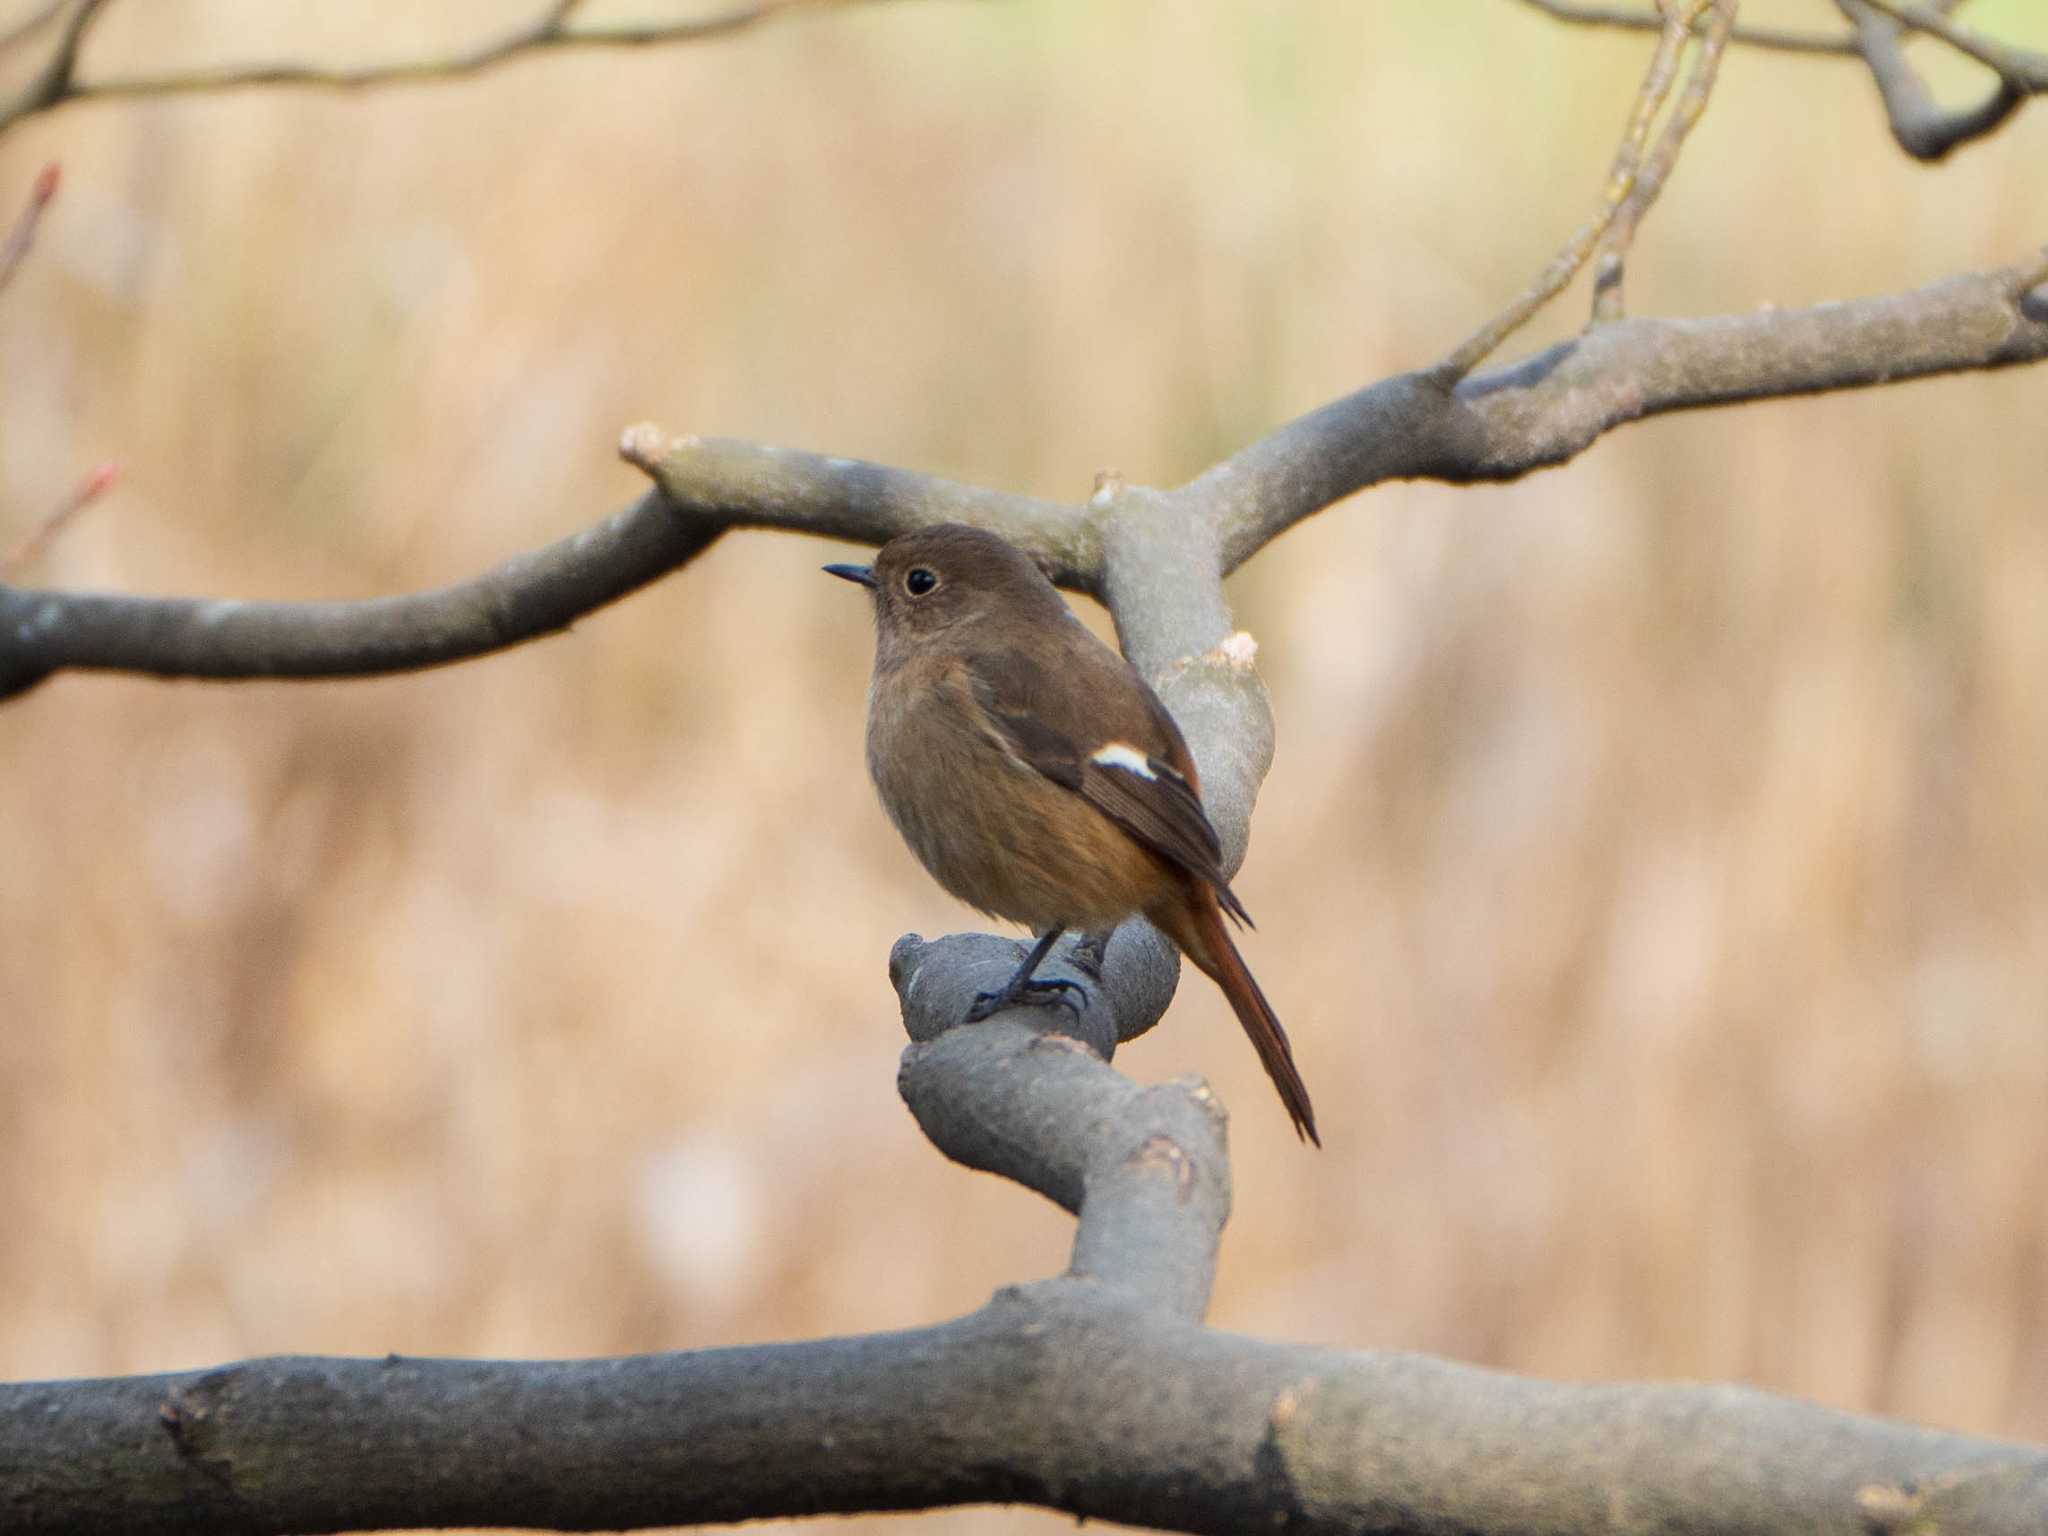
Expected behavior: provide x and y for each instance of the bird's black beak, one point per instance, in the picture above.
(864, 574)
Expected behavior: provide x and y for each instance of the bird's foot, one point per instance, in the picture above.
(1031, 994)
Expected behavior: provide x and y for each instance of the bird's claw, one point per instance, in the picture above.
(1032, 993)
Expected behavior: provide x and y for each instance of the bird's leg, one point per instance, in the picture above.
(1091, 951)
(1020, 988)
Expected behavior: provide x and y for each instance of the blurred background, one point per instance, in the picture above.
(1654, 875)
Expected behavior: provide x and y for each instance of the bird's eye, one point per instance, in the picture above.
(918, 581)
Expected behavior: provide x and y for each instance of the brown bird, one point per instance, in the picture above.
(1037, 775)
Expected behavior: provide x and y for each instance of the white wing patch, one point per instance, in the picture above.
(1130, 759)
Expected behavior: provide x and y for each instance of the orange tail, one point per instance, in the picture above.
(1197, 927)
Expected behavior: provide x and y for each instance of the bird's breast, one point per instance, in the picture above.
(991, 829)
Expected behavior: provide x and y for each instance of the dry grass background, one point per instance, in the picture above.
(1654, 875)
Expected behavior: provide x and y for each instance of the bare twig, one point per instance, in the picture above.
(1621, 182)
(58, 83)
(1927, 132)
(2021, 68)
(50, 84)
(15, 247)
(31, 547)
(1921, 126)
(1637, 20)
(1656, 169)
(32, 23)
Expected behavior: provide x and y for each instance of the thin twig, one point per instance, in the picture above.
(50, 84)
(31, 548)
(15, 247)
(2021, 68)
(1692, 103)
(1920, 125)
(1621, 182)
(32, 23)
(1832, 45)
(58, 83)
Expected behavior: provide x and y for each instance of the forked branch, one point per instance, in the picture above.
(1492, 426)
(1719, 16)
(1922, 127)
(1098, 1394)
(21, 235)
(1617, 195)
(1877, 29)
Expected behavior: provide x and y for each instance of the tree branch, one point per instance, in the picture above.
(58, 84)
(1633, 19)
(1097, 1393)
(1712, 42)
(28, 26)
(1492, 426)
(1921, 126)
(1614, 197)
(526, 597)
(1552, 406)
(21, 235)
(2025, 70)
(38, 539)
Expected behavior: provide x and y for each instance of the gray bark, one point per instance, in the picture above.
(1097, 1393)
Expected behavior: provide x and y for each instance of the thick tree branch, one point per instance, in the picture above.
(1492, 426)
(1550, 407)
(526, 597)
(1144, 1169)
(1095, 1393)
(752, 485)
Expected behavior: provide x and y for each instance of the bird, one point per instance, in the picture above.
(1037, 776)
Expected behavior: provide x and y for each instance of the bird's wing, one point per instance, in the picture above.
(1096, 728)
